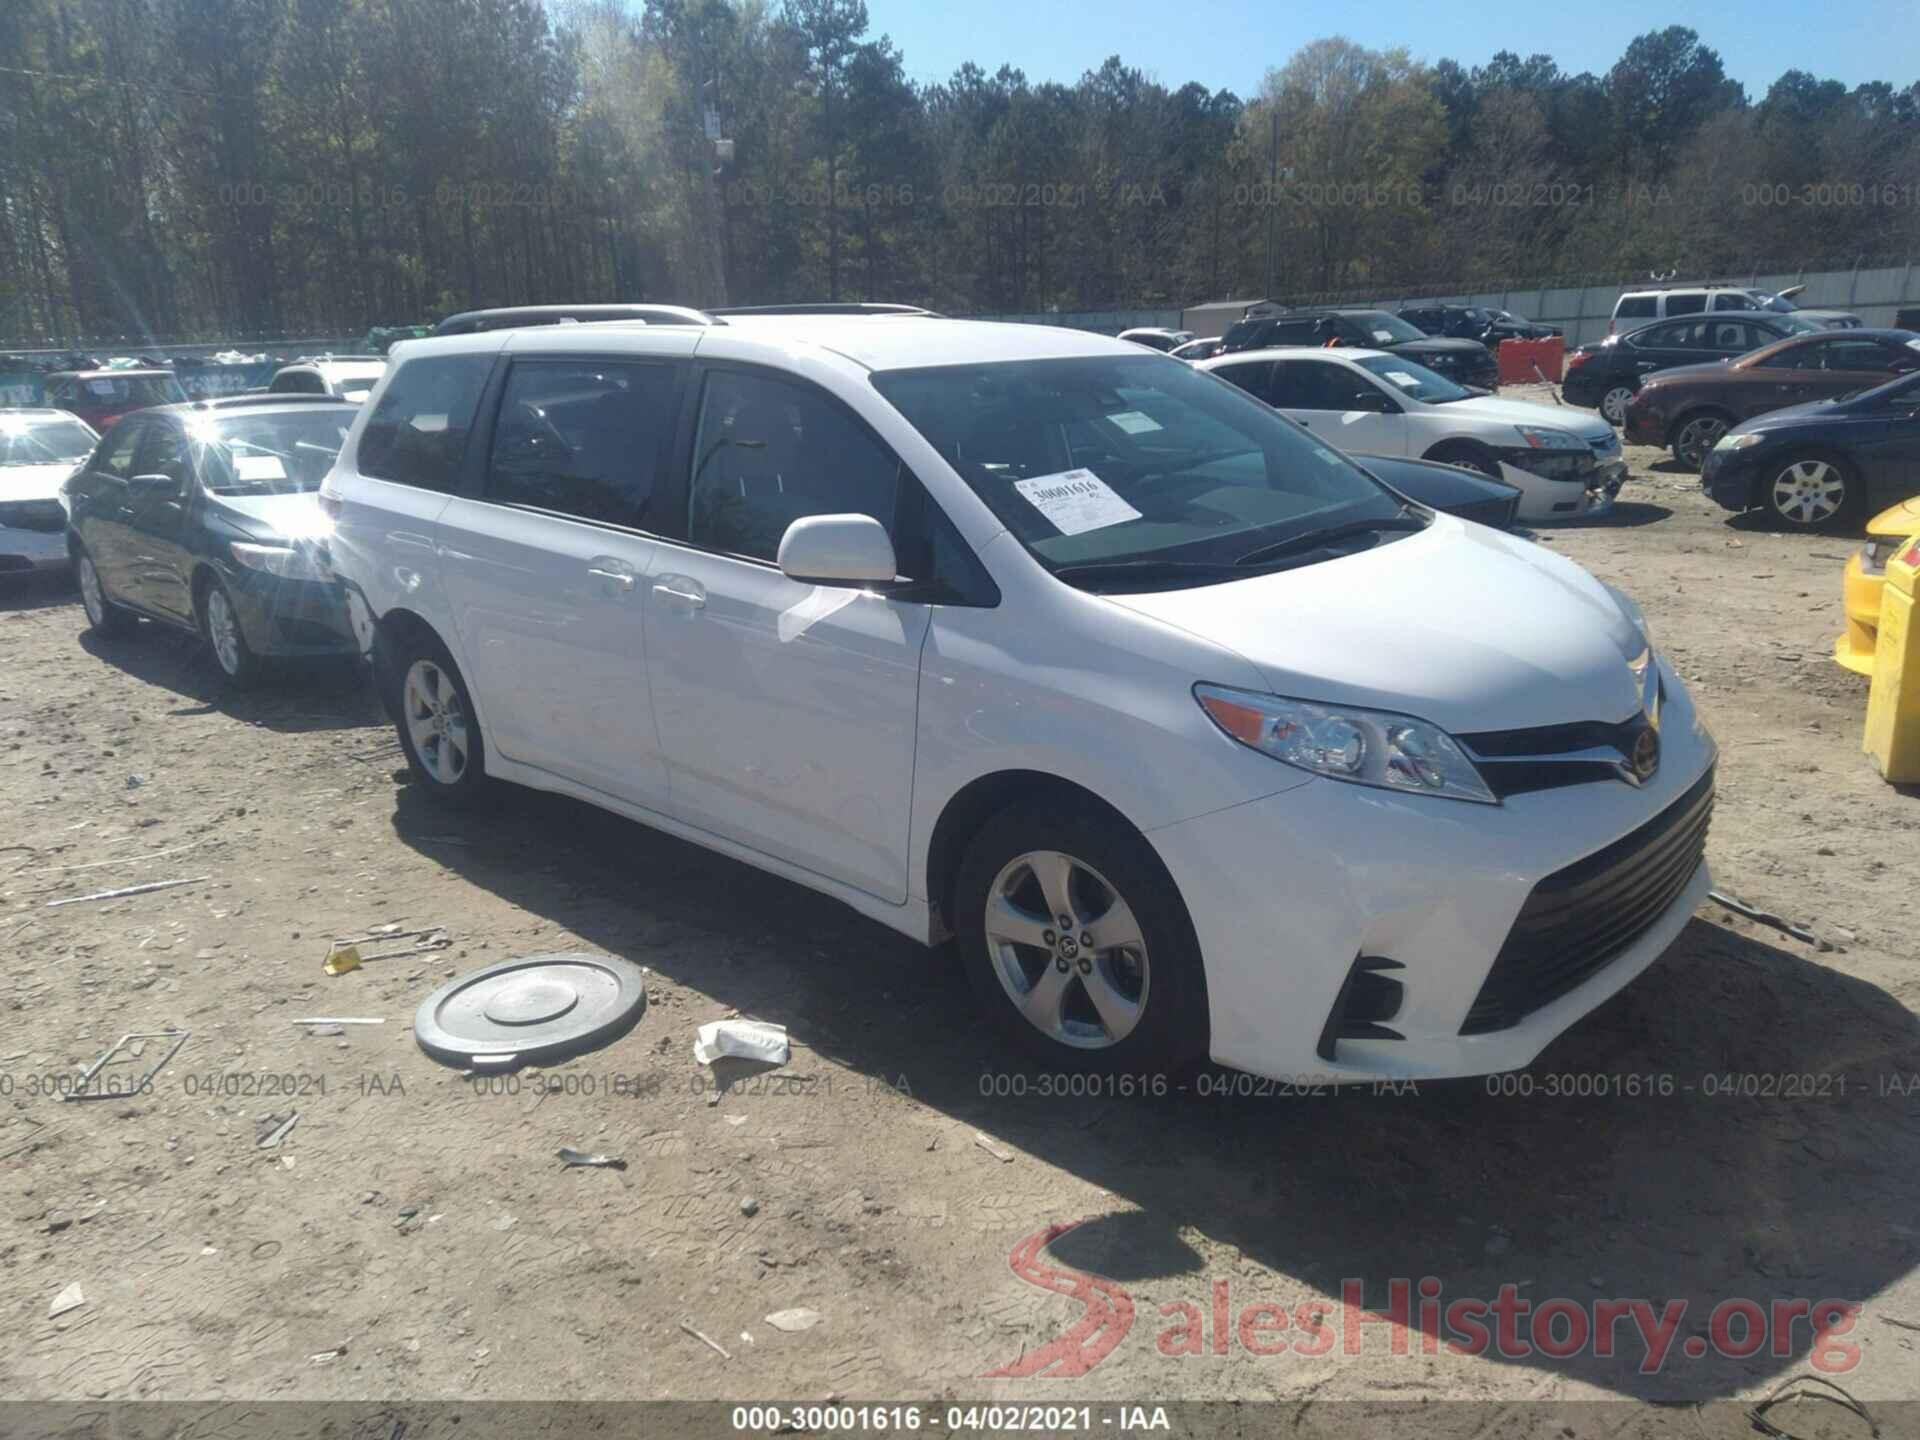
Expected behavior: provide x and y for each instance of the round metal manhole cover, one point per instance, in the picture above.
(538, 1007)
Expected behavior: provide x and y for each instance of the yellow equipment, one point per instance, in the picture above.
(1893, 703)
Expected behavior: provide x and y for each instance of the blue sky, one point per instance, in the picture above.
(1230, 43)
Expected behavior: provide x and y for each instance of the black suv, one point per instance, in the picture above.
(1473, 322)
(1465, 362)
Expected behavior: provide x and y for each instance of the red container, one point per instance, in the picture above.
(1518, 358)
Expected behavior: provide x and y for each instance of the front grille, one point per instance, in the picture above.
(46, 516)
(1578, 919)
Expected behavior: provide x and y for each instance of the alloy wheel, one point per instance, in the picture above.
(1697, 437)
(1067, 949)
(1809, 492)
(436, 721)
(91, 598)
(223, 632)
(1613, 405)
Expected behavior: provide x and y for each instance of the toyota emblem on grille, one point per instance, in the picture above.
(1644, 758)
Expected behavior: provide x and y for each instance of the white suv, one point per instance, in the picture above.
(1200, 740)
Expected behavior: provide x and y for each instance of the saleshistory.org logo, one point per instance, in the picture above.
(1509, 1326)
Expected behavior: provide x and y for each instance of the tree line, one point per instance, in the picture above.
(175, 169)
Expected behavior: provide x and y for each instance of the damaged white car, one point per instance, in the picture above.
(1366, 402)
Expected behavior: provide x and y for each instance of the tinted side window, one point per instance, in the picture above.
(1292, 332)
(1251, 377)
(116, 451)
(1309, 385)
(1734, 337)
(1730, 300)
(1686, 302)
(165, 453)
(767, 453)
(1858, 355)
(1661, 337)
(1635, 307)
(297, 382)
(1793, 357)
(582, 438)
(419, 432)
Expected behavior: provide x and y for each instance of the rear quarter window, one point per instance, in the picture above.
(418, 433)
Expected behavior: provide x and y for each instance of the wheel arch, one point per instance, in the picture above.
(978, 801)
(1441, 452)
(391, 632)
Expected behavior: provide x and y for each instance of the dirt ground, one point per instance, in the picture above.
(414, 1236)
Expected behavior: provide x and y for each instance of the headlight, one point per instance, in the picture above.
(285, 561)
(1365, 747)
(1736, 442)
(1630, 608)
(1542, 437)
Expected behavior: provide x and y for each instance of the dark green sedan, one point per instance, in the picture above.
(205, 516)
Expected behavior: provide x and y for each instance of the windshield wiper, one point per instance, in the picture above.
(1149, 570)
(1315, 539)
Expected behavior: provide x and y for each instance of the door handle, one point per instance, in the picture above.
(685, 592)
(623, 579)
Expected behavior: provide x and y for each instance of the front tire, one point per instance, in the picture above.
(1809, 491)
(104, 618)
(438, 728)
(1077, 944)
(1467, 456)
(1694, 436)
(220, 628)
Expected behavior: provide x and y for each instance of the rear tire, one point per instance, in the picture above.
(1810, 492)
(439, 731)
(1120, 990)
(104, 618)
(1613, 404)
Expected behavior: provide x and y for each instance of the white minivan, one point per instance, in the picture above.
(1197, 738)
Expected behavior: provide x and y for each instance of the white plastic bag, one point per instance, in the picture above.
(747, 1039)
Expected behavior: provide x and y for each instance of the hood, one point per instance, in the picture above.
(1584, 423)
(1461, 625)
(1685, 372)
(35, 482)
(295, 517)
(1791, 415)
(1899, 520)
(1437, 345)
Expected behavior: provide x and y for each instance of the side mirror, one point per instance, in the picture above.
(163, 486)
(837, 550)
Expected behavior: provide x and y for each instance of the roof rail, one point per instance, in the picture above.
(827, 307)
(231, 402)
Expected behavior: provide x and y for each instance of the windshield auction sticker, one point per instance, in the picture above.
(1076, 501)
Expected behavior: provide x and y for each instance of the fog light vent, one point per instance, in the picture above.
(1366, 999)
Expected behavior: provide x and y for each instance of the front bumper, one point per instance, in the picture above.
(22, 550)
(1288, 891)
(1557, 485)
(1861, 592)
(291, 618)
(1728, 476)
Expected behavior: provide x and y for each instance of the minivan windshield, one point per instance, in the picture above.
(1115, 469)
